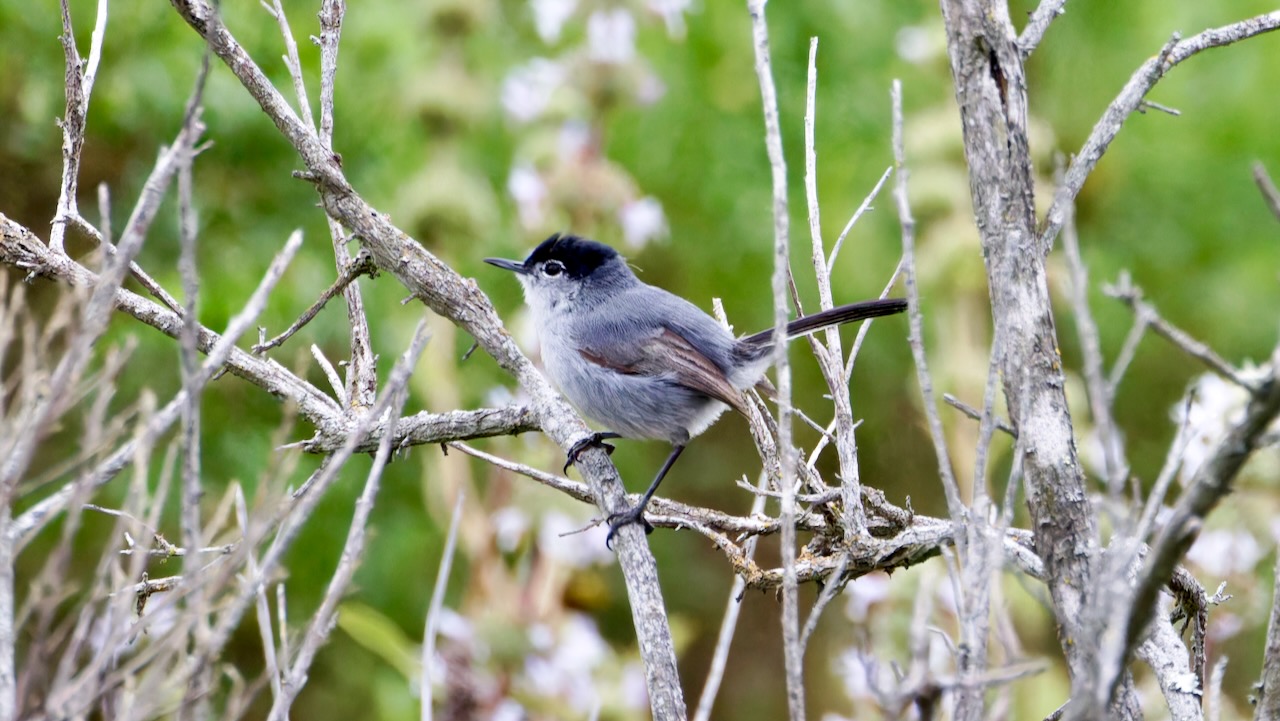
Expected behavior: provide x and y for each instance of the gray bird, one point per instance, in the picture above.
(639, 360)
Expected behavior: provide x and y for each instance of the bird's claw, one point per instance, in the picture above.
(595, 439)
(634, 514)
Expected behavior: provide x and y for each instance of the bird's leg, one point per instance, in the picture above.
(635, 514)
(595, 439)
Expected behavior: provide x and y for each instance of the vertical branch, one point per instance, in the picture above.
(915, 322)
(8, 633)
(195, 701)
(433, 610)
(773, 145)
(1100, 392)
(79, 86)
(362, 373)
(353, 549)
(854, 519)
(1269, 685)
(991, 90)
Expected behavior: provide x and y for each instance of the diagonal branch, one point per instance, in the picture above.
(461, 301)
(1129, 100)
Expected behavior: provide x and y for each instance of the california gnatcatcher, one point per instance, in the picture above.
(641, 361)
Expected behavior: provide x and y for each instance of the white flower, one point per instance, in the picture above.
(1223, 552)
(549, 17)
(864, 593)
(509, 526)
(611, 36)
(857, 669)
(642, 220)
(672, 14)
(527, 90)
(578, 550)
(529, 192)
(1216, 404)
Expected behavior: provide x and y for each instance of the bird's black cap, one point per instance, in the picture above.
(580, 256)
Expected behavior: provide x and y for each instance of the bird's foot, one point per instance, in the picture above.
(634, 514)
(595, 439)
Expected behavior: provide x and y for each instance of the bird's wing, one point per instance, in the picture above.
(667, 353)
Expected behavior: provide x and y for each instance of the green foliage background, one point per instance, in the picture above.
(423, 137)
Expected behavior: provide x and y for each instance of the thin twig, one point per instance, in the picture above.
(433, 609)
(1130, 98)
(1131, 295)
(729, 624)
(915, 318)
(325, 617)
(1097, 386)
(1045, 13)
(362, 265)
(1268, 189)
(792, 652)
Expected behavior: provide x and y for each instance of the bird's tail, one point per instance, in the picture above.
(836, 316)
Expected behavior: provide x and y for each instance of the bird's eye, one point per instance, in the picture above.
(553, 268)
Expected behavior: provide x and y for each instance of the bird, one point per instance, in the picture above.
(640, 360)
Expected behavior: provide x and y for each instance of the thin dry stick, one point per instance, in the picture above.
(1124, 290)
(1130, 99)
(1045, 13)
(80, 78)
(1268, 706)
(363, 265)
(353, 549)
(729, 624)
(794, 661)
(433, 609)
(262, 612)
(916, 334)
(854, 519)
(863, 208)
(1096, 384)
(196, 699)
(1268, 189)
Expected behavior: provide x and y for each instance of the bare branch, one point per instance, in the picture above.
(1045, 13)
(1131, 295)
(1268, 189)
(1268, 705)
(1211, 482)
(916, 334)
(433, 609)
(792, 651)
(1129, 100)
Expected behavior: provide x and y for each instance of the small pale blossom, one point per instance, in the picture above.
(1216, 404)
(672, 14)
(1224, 552)
(915, 44)
(635, 690)
(509, 527)
(857, 669)
(549, 17)
(509, 710)
(864, 593)
(527, 90)
(642, 220)
(529, 192)
(565, 667)
(574, 140)
(578, 550)
(611, 36)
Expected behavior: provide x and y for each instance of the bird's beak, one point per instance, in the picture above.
(514, 266)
